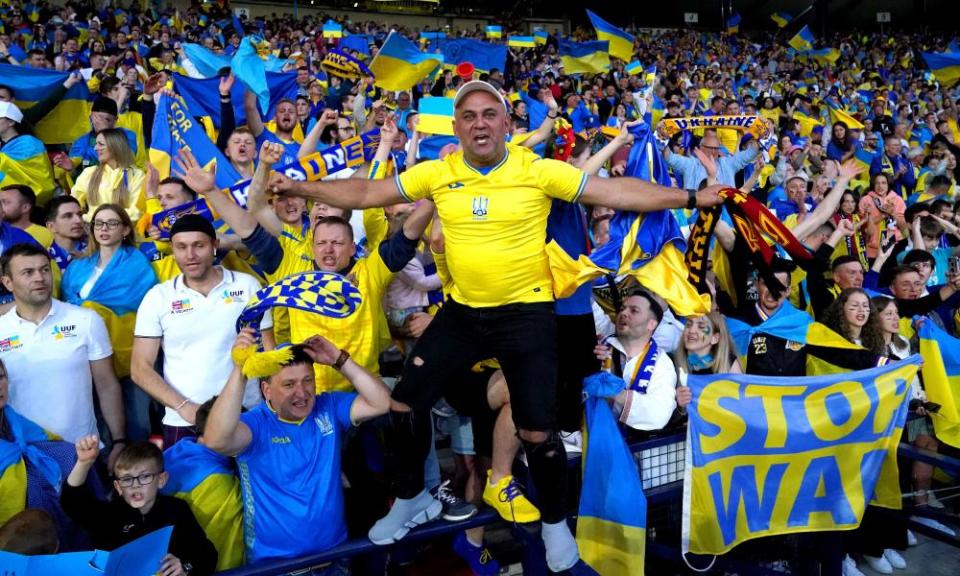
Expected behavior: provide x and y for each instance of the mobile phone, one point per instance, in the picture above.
(953, 266)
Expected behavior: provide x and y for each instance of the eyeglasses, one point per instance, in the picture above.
(347, 128)
(144, 479)
(108, 224)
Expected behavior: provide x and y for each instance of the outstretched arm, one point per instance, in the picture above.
(254, 122)
(828, 207)
(350, 193)
(624, 138)
(546, 127)
(641, 196)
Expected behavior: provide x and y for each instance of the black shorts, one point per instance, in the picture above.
(522, 337)
(576, 339)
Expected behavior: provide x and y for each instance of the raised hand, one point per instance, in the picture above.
(88, 448)
(321, 350)
(200, 180)
(271, 153)
(153, 84)
(389, 130)
(226, 84)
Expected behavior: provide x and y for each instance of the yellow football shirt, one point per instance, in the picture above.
(361, 333)
(495, 221)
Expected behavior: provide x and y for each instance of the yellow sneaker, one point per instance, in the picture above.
(510, 503)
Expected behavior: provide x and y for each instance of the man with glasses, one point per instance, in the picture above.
(345, 129)
(139, 476)
(692, 170)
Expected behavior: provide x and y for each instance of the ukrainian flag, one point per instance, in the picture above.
(807, 124)
(946, 66)
(206, 481)
(436, 116)
(584, 57)
(174, 128)
(521, 41)
(494, 31)
(837, 114)
(863, 157)
(823, 55)
(781, 18)
(941, 379)
(612, 518)
(332, 30)
(620, 42)
(733, 23)
(24, 160)
(399, 65)
(13, 458)
(359, 43)
(803, 41)
(202, 96)
(540, 37)
(633, 68)
(250, 66)
(650, 247)
(115, 296)
(205, 61)
(65, 123)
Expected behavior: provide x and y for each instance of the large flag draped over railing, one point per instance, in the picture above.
(771, 456)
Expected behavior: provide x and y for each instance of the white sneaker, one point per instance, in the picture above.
(932, 501)
(931, 523)
(911, 538)
(849, 567)
(895, 559)
(879, 564)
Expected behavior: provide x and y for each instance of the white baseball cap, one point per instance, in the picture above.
(473, 86)
(10, 110)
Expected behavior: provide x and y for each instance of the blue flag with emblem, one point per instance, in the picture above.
(483, 55)
(772, 456)
(202, 95)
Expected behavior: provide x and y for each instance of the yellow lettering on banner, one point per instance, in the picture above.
(816, 408)
(732, 426)
(890, 400)
(772, 398)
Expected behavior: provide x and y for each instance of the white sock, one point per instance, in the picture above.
(561, 547)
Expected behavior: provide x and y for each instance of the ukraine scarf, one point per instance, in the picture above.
(14, 455)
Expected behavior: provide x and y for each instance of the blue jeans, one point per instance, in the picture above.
(136, 409)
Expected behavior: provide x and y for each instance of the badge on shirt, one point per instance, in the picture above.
(324, 424)
(181, 306)
(64, 331)
(11, 343)
(794, 346)
(480, 204)
(231, 296)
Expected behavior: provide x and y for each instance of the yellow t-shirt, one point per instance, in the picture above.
(41, 235)
(495, 225)
(361, 333)
(109, 182)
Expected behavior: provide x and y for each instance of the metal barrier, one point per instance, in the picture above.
(661, 461)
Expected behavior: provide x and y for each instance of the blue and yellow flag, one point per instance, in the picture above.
(633, 68)
(250, 66)
(436, 116)
(823, 55)
(483, 55)
(207, 62)
(781, 18)
(359, 43)
(494, 31)
(620, 42)
(733, 23)
(174, 128)
(941, 380)
(69, 120)
(945, 66)
(202, 95)
(650, 247)
(863, 157)
(540, 37)
(325, 293)
(400, 65)
(206, 481)
(803, 40)
(612, 518)
(584, 57)
(24, 160)
(775, 456)
(521, 42)
(807, 124)
(838, 114)
(13, 457)
(332, 30)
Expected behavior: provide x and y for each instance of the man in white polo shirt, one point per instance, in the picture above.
(55, 353)
(193, 318)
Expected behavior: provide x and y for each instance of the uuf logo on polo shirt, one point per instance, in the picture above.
(61, 332)
(182, 306)
(231, 296)
(11, 343)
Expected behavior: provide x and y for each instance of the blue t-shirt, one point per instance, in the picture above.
(290, 149)
(290, 480)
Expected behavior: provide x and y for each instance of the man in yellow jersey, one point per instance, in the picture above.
(493, 199)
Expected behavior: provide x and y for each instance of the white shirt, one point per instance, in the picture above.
(650, 411)
(48, 365)
(197, 335)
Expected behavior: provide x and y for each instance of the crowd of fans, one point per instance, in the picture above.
(114, 334)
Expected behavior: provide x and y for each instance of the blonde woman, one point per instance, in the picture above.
(704, 349)
(115, 180)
